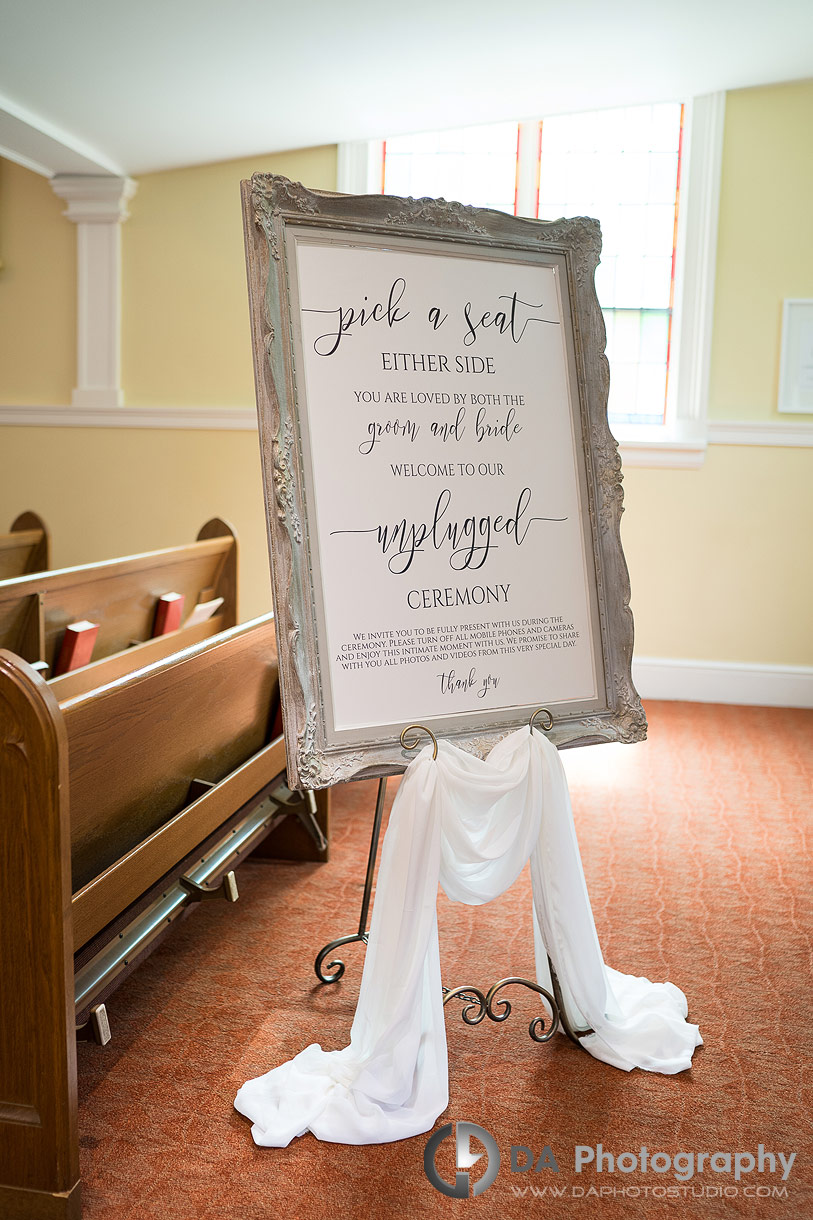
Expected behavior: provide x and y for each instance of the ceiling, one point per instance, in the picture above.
(105, 86)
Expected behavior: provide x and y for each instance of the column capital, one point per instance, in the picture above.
(94, 198)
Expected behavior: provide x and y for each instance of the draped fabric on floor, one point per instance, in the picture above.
(471, 825)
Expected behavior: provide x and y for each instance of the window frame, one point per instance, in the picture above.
(681, 440)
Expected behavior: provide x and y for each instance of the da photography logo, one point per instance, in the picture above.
(465, 1158)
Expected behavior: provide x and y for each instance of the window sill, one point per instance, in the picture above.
(683, 447)
(680, 447)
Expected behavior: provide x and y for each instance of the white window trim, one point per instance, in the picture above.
(680, 442)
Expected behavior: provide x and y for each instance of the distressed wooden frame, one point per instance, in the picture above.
(272, 204)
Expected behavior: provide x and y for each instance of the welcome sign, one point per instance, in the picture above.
(442, 490)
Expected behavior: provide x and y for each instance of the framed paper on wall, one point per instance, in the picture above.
(443, 493)
(796, 359)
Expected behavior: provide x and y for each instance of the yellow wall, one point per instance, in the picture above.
(717, 556)
(37, 292)
(185, 341)
(719, 566)
(186, 337)
(765, 247)
(116, 491)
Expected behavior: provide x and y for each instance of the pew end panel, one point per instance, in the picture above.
(22, 625)
(39, 1164)
(25, 548)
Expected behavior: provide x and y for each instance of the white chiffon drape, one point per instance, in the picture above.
(469, 824)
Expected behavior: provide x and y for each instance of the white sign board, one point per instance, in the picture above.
(430, 477)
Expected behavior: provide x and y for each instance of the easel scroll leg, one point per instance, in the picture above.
(336, 967)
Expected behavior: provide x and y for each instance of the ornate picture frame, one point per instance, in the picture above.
(442, 489)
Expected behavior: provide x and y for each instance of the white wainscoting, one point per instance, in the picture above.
(723, 682)
(218, 419)
(797, 434)
(639, 446)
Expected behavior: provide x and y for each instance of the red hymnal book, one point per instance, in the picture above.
(168, 611)
(77, 646)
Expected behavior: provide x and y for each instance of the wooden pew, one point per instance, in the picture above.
(25, 548)
(121, 595)
(123, 805)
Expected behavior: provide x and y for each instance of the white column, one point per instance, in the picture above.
(360, 167)
(528, 169)
(97, 205)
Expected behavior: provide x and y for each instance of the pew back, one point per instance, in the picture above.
(136, 745)
(119, 594)
(25, 548)
(109, 669)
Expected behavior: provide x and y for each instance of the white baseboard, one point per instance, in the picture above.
(723, 682)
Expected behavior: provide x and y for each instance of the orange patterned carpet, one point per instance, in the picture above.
(696, 850)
